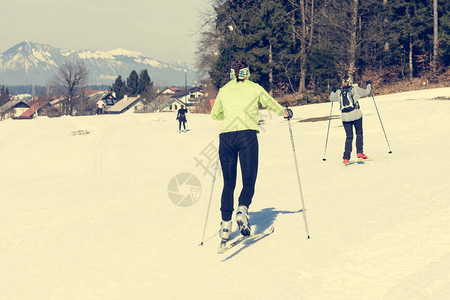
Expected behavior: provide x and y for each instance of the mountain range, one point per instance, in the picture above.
(33, 63)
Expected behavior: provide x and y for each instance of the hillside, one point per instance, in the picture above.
(86, 212)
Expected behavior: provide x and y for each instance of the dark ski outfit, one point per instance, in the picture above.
(351, 117)
(181, 117)
(237, 105)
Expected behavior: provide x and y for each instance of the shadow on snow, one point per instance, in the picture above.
(260, 221)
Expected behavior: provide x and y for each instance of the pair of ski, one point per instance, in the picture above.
(257, 236)
(360, 161)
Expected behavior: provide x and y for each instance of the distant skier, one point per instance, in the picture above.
(100, 105)
(351, 116)
(237, 105)
(181, 117)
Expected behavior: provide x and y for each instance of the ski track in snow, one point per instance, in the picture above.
(89, 216)
(101, 158)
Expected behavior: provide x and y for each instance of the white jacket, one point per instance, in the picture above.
(357, 93)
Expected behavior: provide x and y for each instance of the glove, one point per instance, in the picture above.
(334, 90)
(368, 82)
(290, 114)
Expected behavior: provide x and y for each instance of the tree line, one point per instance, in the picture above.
(71, 82)
(135, 84)
(292, 45)
(73, 77)
(5, 96)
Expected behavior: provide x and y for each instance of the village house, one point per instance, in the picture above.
(106, 96)
(162, 103)
(17, 109)
(126, 104)
(13, 109)
(36, 108)
(189, 96)
(58, 102)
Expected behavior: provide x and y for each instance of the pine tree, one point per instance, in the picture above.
(259, 35)
(288, 43)
(444, 32)
(119, 87)
(411, 26)
(4, 95)
(144, 82)
(132, 83)
(145, 87)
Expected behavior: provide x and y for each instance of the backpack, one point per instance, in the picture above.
(347, 102)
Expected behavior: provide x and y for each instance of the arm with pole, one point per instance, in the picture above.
(390, 151)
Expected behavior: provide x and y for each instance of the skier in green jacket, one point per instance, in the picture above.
(237, 105)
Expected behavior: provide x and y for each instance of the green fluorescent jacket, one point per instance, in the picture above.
(237, 105)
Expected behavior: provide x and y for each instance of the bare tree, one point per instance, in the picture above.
(353, 40)
(210, 37)
(149, 95)
(71, 76)
(207, 50)
(435, 33)
(305, 33)
(81, 101)
(157, 103)
(341, 19)
(385, 23)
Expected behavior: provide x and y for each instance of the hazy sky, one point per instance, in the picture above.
(161, 29)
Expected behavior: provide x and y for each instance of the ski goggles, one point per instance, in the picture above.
(244, 74)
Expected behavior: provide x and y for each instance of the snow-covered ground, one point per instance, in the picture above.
(88, 208)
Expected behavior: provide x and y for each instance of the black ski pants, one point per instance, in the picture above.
(348, 126)
(233, 145)
(181, 120)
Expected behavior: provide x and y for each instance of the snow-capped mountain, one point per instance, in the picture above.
(33, 63)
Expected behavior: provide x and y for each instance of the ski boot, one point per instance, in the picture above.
(225, 230)
(361, 155)
(242, 220)
(224, 233)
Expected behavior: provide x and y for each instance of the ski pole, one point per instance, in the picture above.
(390, 151)
(209, 203)
(296, 167)
(217, 163)
(328, 130)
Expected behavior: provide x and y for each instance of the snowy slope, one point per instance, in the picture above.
(34, 63)
(88, 216)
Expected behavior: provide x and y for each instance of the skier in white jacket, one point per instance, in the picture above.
(348, 95)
